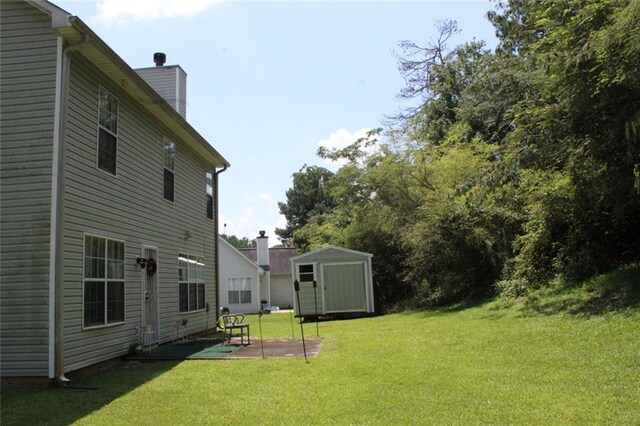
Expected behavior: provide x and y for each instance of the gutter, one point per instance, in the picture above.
(217, 230)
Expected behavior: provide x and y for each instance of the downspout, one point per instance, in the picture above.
(217, 228)
(56, 252)
(56, 187)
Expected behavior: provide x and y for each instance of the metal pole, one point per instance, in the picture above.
(261, 339)
(296, 286)
(315, 302)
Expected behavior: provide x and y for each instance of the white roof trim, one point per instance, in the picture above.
(87, 42)
(326, 248)
(239, 253)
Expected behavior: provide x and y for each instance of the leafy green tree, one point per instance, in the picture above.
(308, 197)
(517, 166)
(239, 243)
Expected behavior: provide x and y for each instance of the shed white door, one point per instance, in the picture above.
(344, 287)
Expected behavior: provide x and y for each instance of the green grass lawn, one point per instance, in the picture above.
(485, 364)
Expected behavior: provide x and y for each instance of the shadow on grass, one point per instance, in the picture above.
(613, 292)
(63, 406)
(444, 310)
(616, 291)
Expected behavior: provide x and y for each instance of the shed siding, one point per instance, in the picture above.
(129, 207)
(334, 267)
(27, 96)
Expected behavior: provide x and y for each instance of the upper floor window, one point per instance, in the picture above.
(169, 169)
(209, 178)
(103, 295)
(107, 131)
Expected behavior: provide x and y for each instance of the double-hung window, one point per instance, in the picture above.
(239, 290)
(169, 169)
(190, 282)
(209, 187)
(107, 131)
(306, 273)
(103, 281)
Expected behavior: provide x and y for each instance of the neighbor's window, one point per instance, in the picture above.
(169, 168)
(103, 281)
(305, 273)
(209, 179)
(107, 130)
(239, 290)
(190, 282)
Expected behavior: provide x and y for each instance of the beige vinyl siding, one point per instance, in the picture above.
(27, 94)
(129, 207)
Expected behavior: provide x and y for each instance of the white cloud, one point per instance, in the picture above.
(110, 11)
(271, 202)
(259, 213)
(340, 139)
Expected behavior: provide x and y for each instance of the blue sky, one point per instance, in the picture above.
(269, 82)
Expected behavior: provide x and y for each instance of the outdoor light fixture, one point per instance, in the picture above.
(142, 262)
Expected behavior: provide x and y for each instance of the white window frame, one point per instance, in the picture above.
(102, 91)
(106, 280)
(169, 168)
(314, 272)
(193, 264)
(209, 190)
(232, 283)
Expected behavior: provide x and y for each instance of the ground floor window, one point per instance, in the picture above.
(191, 282)
(103, 295)
(239, 290)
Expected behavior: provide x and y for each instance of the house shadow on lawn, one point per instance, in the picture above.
(65, 405)
(95, 387)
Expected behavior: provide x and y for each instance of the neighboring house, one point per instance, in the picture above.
(262, 275)
(333, 281)
(276, 262)
(239, 280)
(109, 200)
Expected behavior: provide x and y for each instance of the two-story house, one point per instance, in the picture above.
(108, 199)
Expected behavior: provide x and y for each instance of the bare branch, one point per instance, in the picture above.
(416, 65)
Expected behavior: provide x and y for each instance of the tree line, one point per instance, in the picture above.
(518, 165)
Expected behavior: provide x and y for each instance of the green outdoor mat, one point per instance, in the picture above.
(193, 349)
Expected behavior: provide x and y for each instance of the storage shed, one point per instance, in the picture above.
(344, 282)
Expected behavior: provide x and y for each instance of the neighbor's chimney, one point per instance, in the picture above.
(263, 250)
(169, 81)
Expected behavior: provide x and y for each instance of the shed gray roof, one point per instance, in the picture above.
(278, 258)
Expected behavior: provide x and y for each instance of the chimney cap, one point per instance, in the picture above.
(159, 58)
(262, 234)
